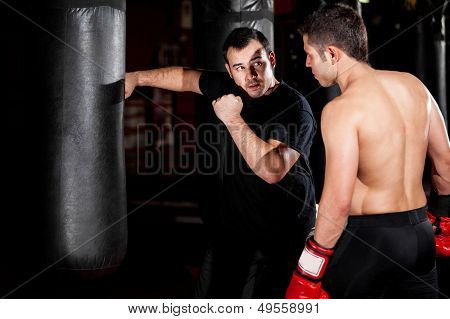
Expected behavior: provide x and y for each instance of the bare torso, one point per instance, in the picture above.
(393, 124)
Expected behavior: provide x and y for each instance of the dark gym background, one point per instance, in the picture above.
(166, 235)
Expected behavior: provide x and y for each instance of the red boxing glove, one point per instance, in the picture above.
(441, 225)
(439, 208)
(444, 225)
(442, 246)
(305, 282)
(302, 288)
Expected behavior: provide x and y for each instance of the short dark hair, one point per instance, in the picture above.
(239, 38)
(339, 25)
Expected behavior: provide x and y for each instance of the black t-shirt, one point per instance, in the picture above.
(249, 208)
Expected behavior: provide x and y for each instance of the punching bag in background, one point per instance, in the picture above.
(215, 19)
(85, 195)
(431, 65)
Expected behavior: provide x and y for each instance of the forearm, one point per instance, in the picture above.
(263, 158)
(440, 179)
(331, 222)
(439, 149)
(441, 186)
(175, 78)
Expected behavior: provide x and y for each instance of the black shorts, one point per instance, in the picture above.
(384, 256)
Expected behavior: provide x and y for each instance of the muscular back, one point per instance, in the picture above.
(393, 125)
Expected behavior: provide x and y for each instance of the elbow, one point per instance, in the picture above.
(273, 174)
(442, 166)
(447, 166)
(272, 169)
(271, 178)
(440, 178)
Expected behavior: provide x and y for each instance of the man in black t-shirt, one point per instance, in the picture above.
(266, 204)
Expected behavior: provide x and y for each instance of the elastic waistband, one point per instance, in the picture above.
(410, 217)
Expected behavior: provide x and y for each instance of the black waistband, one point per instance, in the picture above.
(410, 217)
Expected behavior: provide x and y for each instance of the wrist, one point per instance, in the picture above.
(314, 260)
(235, 121)
(321, 248)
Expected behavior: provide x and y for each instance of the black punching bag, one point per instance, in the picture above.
(431, 50)
(85, 195)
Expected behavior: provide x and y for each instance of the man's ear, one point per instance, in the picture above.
(228, 69)
(272, 59)
(335, 54)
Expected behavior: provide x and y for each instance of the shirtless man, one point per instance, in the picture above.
(372, 237)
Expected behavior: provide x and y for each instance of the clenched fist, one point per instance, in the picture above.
(228, 107)
(131, 80)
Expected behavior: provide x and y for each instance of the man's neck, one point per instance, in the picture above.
(273, 86)
(349, 72)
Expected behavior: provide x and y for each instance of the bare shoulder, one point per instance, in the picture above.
(343, 109)
(346, 103)
(396, 75)
(398, 80)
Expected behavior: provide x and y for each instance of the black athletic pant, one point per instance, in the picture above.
(384, 256)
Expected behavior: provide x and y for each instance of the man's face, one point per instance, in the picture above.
(323, 70)
(251, 68)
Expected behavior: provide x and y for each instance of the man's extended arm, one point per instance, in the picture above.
(439, 199)
(269, 160)
(175, 78)
(439, 150)
(340, 136)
